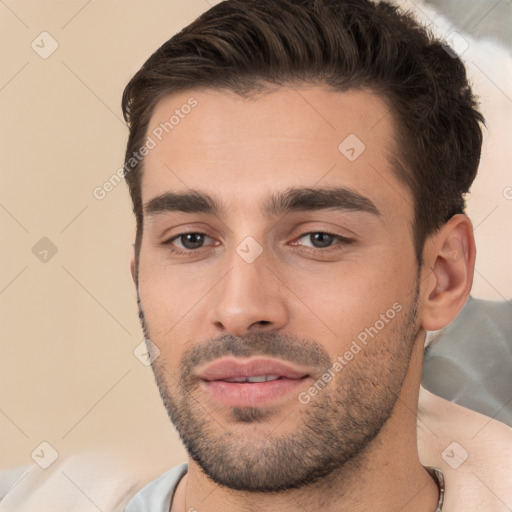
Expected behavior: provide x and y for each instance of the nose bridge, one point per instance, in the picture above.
(248, 296)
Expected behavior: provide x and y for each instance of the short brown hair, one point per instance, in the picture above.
(247, 45)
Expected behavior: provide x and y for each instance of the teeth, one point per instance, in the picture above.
(259, 378)
(263, 378)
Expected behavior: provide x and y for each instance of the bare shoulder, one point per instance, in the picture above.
(473, 450)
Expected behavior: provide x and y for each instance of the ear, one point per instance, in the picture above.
(447, 275)
(133, 268)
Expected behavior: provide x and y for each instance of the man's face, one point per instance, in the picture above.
(228, 293)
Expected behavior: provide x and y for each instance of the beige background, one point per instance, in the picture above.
(69, 326)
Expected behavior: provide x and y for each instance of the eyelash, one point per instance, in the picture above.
(343, 241)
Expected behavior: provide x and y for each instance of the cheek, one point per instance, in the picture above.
(328, 302)
(335, 304)
(170, 296)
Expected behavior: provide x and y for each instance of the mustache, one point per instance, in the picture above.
(300, 351)
(283, 346)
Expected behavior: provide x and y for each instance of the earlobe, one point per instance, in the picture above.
(450, 260)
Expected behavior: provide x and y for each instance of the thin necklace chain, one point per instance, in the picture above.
(438, 477)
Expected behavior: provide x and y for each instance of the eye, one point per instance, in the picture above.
(187, 241)
(322, 239)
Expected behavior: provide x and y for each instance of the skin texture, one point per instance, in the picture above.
(354, 445)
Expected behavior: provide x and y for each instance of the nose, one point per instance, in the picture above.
(248, 298)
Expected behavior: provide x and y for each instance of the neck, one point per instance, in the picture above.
(387, 476)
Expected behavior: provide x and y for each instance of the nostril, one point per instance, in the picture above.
(263, 322)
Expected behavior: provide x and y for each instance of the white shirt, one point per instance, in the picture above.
(157, 495)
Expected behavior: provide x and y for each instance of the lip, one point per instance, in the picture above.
(230, 368)
(250, 394)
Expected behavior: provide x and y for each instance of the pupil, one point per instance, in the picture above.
(324, 239)
(192, 240)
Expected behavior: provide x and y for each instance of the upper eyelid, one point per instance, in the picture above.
(197, 232)
(327, 232)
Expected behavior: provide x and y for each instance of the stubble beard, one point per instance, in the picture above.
(243, 449)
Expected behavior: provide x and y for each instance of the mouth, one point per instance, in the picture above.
(259, 378)
(250, 382)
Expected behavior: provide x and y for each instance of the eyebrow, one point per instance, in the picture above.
(281, 202)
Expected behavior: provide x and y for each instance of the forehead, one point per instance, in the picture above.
(242, 148)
